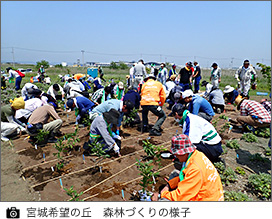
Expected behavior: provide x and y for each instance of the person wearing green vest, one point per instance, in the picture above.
(100, 131)
(119, 91)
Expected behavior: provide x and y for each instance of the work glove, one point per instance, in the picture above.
(115, 136)
(116, 149)
(62, 99)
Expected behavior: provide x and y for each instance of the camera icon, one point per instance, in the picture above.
(13, 212)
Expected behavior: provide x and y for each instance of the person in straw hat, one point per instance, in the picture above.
(9, 124)
(252, 113)
(230, 94)
(197, 178)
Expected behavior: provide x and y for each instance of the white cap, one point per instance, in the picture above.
(187, 93)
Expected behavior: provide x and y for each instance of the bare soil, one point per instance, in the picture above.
(25, 176)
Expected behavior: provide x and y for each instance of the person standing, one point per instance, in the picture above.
(101, 73)
(139, 73)
(14, 74)
(41, 73)
(185, 76)
(196, 76)
(162, 74)
(215, 75)
(152, 99)
(245, 75)
(172, 71)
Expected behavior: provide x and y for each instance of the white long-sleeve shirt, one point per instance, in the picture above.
(27, 86)
(53, 93)
(245, 74)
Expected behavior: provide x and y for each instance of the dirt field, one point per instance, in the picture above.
(32, 179)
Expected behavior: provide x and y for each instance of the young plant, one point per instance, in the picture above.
(146, 170)
(233, 144)
(225, 150)
(73, 194)
(72, 139)
(224, 117)
(240, 171)
(214, 122)
(225, 127)
(249, 137)
(267, 151)
(153, 151)
(261, 185)
(262, 132)
(97, 149)
(236, 196)
(59, 147)
(42, 134)
(128, 119)
(228, 176)
(220, 167)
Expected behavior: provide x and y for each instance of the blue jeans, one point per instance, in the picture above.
(184, 86)
(18, 83)
(197, 81)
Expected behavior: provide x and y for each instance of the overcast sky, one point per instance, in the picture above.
(176, 31)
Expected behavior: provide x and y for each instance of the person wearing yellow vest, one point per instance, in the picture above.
(197, 178)
(152, 99)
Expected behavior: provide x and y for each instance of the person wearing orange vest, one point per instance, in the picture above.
(152, 99)
(78, 76)
(197, 178)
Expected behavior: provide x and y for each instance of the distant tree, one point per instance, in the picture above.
(123, 65)
(42, 62)
(266, 72)
(113, 65)
(59, 66)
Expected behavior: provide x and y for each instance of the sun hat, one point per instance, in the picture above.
(204, 83)
(214, 64)
(121, 85)
(187, 93)
(181, 144)
(228, 89)
(239, 99)
(18, 103)
(173, 77)
(112, 116)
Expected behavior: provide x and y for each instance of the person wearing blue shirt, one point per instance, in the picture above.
(198, 105)
(84, 106)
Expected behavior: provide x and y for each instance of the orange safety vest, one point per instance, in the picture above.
(152, 93)
(201, 182)
(78, 76)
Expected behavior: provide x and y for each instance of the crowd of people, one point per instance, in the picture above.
(104, 105)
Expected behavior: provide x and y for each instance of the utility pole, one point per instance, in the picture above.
(13, 57)
(82, 58)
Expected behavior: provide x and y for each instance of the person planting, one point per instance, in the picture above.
(195, 178)
(201, 132)
(101, 132)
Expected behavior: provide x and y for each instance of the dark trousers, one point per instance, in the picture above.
(185, 86)
(211, 151)
(157, 110)
(197, 82)
(18, 82)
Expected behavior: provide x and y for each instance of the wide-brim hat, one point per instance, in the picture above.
(204, 83)
(112, 116)
(173, 77)
(238, 101)
(121, 85)
(228, 89)
(181, 144)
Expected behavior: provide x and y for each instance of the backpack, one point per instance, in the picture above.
(20, 73)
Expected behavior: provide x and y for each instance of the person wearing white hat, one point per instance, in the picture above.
(198, 105)
(119, 91)
(230, 94)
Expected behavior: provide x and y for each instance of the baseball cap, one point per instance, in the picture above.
(214, 64)
(70, 103)
(181, 144)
